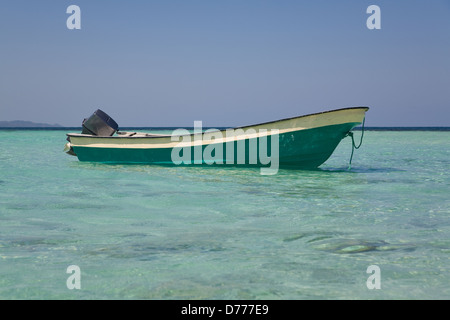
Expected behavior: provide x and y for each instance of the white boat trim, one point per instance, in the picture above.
(149, 141)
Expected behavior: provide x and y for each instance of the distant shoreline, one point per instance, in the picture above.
(27, 124)
(220, 128)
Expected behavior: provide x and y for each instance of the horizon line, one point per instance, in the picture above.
(369, 128)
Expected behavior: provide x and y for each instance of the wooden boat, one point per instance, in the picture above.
(300, 142)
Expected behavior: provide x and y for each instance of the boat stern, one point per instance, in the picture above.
(68, 149)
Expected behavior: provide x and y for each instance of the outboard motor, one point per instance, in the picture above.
(99, 124)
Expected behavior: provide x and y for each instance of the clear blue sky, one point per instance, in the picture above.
(225, 62)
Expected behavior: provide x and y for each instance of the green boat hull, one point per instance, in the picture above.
(304, 149)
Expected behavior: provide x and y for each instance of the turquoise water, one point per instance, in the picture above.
(150, 232)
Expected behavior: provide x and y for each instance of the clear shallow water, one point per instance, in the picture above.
(150, 232)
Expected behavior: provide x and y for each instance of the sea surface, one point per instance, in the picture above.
(152, 232)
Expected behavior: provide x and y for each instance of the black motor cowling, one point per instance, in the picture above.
(99, 124)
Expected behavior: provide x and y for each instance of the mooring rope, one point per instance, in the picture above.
(353, 143)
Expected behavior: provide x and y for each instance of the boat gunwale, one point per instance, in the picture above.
(150, 136)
